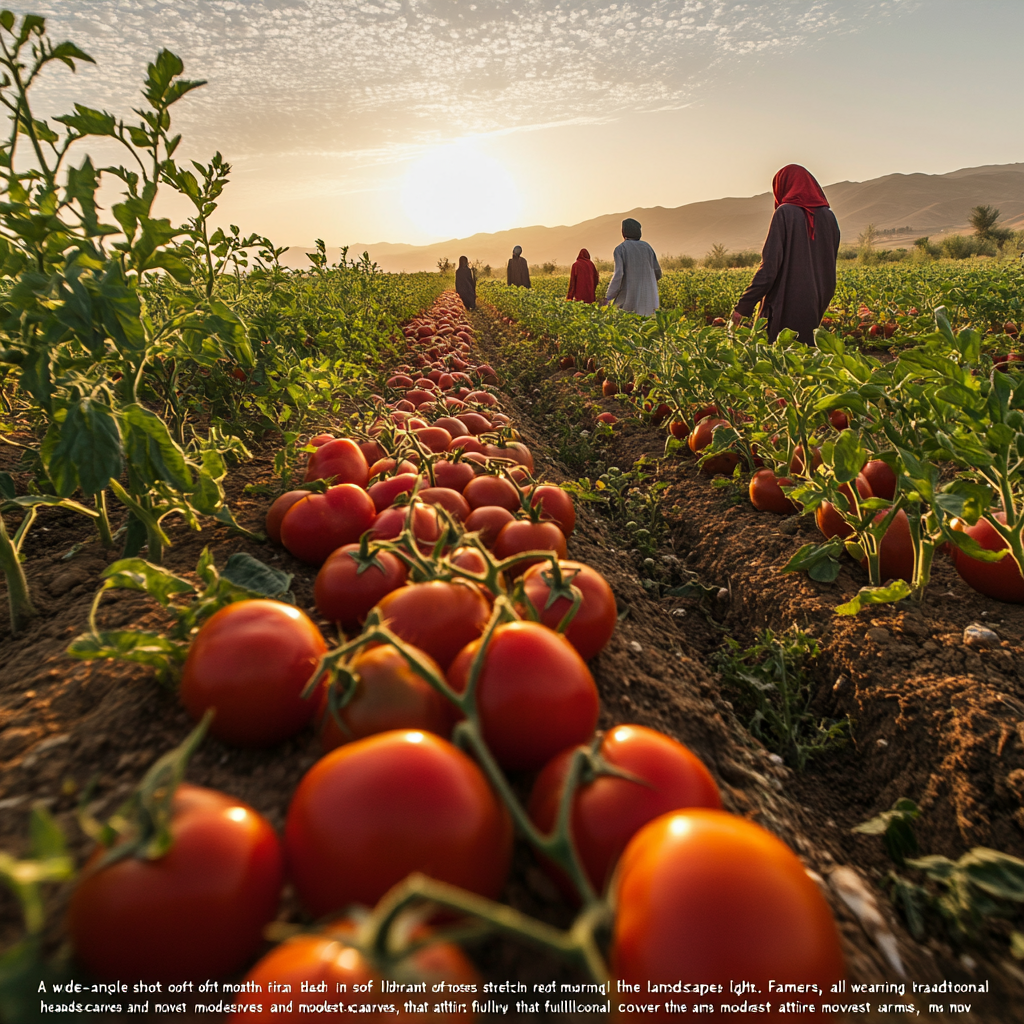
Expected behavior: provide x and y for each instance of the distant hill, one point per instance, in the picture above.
(913, 204)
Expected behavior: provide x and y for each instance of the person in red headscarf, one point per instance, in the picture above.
(797, 276)
(583, 278)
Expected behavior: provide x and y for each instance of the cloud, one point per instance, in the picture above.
(287, 76)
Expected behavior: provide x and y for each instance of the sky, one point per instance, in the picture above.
(361, 121)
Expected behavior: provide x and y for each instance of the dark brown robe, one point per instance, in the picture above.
(519, 272)
(797, 275)
(466, 286)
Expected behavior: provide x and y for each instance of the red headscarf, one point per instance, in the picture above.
(796, 185)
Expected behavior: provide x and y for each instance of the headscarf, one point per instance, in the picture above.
(463, 261)
(517, 251)
(584, 255)
(796, 186)
(631, 229)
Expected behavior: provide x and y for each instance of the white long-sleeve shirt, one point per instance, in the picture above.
(634, 285)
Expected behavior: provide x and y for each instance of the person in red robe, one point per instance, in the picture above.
(583, 278)
(797, 275)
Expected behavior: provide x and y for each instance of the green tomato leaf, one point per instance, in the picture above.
(88, 452)
(866, 596)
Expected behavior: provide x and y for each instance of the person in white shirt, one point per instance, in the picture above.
(634, 285)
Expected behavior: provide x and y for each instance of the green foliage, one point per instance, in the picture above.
(981, 887)
(23, 965)
(243, 578)
(775, 693)
(896, 826)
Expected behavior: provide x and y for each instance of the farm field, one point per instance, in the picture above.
(287, 556)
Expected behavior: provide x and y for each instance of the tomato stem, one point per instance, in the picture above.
(578, 945)
(18, 597)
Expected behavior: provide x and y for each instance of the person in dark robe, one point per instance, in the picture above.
(583, 278)
(518, 269)
(465, 283)
(797, 275)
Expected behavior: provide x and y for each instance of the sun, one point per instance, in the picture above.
(454, 191)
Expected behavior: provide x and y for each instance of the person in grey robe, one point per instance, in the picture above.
(518, 269)
(465, 283)
(797, 275)
(634, 285)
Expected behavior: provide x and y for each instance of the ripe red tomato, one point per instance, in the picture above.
(451, 501)
(1001, 580)
(896, 554)
(609, 811)
(196, 912)
(701, 437)
(251, 661)
(437, 617)
(557, 505)
(514, 450)
(321, 523)
(827, 516)
(344, 593)
(796, 463)
(492, 490)
(387, 467)
(881, 477)
(474, 422)
(470, 559)
(704, 894)
(384, 492)
(766, 493)
(329, 957)
(521, 535)
(342, 459)
(535, 694)
(435, 438)
(839, 419)
(278, 510)
(594, 621)
(455, 475)
(426, 526)
(389, 695)
(369, 813)
(488, 520)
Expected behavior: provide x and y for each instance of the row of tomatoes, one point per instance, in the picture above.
(1002, 579)
(698, 894)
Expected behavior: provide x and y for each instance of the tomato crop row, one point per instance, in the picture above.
(462, 667)
(912, 454)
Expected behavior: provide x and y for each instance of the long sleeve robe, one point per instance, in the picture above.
(466, 287)
(634, 285)
(797, 275)
(519, 272)
(583, 278)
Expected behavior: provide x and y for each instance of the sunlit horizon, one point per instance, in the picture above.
(327, 109)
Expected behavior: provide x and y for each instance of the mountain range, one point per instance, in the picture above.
(901, 206)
